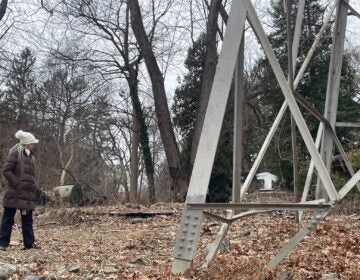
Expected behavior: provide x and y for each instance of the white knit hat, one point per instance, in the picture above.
(26, 137)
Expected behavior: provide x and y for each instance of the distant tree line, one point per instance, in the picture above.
(97, 100)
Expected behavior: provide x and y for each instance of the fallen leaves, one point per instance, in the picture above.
(80, 244)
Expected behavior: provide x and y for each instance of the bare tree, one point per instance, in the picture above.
(66, 97)
(134, 160)
(208, 74)
(116, 152)
(105, 22)
(161, 105)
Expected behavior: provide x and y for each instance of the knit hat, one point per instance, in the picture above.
(26, 137)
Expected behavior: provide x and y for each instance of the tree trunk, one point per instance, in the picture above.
(3, 6)
(208, 74)
(151, 186)
(124, 180)
(161, 107)
(134, 160)
(67, 165)
(143, 135)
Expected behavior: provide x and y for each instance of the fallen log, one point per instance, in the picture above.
(143, 214)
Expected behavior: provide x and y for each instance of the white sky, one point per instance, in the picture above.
(39, 30)
(253, 50)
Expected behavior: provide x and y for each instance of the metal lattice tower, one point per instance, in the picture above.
(230, 64)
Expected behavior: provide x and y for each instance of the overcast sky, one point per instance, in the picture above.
(39, 32)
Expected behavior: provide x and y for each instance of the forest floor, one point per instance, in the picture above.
(87, 243)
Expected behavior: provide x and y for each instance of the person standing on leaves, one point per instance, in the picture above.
(20, 192)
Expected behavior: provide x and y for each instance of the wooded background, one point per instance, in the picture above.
(116, 91)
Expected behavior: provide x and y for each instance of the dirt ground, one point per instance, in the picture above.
(88, 243)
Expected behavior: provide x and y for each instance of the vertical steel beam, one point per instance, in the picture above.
(190, 225)
(294, 108)
(297, 32)
(310, 173)
(315, 43)
(291, 55)
(238, 124)
(237, 149)
(291, 67)
(297, 80)
(333, 86)
(294, 55)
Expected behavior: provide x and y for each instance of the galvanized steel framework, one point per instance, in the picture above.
(230, 63)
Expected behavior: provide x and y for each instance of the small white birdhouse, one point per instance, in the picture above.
(268, 179)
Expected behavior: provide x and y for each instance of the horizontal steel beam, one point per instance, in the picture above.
(247, 213)
(217, 217)
(258, 206)
(234, 218)
(348, 124)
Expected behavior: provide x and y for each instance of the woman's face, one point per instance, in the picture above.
(30, 146)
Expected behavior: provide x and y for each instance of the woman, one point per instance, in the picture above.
(20, 192)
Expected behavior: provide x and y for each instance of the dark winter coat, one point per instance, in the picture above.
(20, 191)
